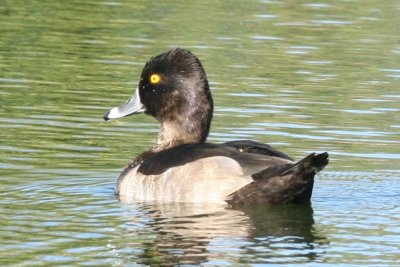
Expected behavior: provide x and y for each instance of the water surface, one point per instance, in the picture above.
(299, 75)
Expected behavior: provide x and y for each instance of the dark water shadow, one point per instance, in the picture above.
(282, 220)
(195, 233)
(283, 234)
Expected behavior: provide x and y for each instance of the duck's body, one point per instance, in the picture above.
(198, 181)
(181, 167)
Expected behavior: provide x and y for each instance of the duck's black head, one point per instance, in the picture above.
(174, 85)
(173, 88)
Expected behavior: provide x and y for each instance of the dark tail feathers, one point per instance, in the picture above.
(313, 163)
(291, 183)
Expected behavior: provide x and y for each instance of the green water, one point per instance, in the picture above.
(300, 75)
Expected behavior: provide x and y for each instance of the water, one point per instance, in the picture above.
(300, 75)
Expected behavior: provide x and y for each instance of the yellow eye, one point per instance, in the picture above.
(155, 78)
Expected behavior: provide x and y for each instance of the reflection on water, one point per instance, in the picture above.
(194, 234)
(300, 75)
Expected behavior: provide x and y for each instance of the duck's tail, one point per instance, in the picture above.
(290, 183)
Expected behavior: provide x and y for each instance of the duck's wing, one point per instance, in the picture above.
(253, 157)
(257, 148)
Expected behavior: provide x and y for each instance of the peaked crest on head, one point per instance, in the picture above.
(176, 61)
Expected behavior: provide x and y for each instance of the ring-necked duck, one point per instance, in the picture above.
(181, 166)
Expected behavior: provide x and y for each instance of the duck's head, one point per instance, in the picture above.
(173, 88)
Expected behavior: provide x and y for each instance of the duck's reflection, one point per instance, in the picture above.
(283, 234)
(216, 234)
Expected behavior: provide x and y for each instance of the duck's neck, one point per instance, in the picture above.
(186, 123)
(178, 133)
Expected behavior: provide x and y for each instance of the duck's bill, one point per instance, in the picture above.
(133, 106)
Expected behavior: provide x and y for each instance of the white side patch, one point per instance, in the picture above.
(206, 180)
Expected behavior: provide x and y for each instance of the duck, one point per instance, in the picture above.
(183, 167)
